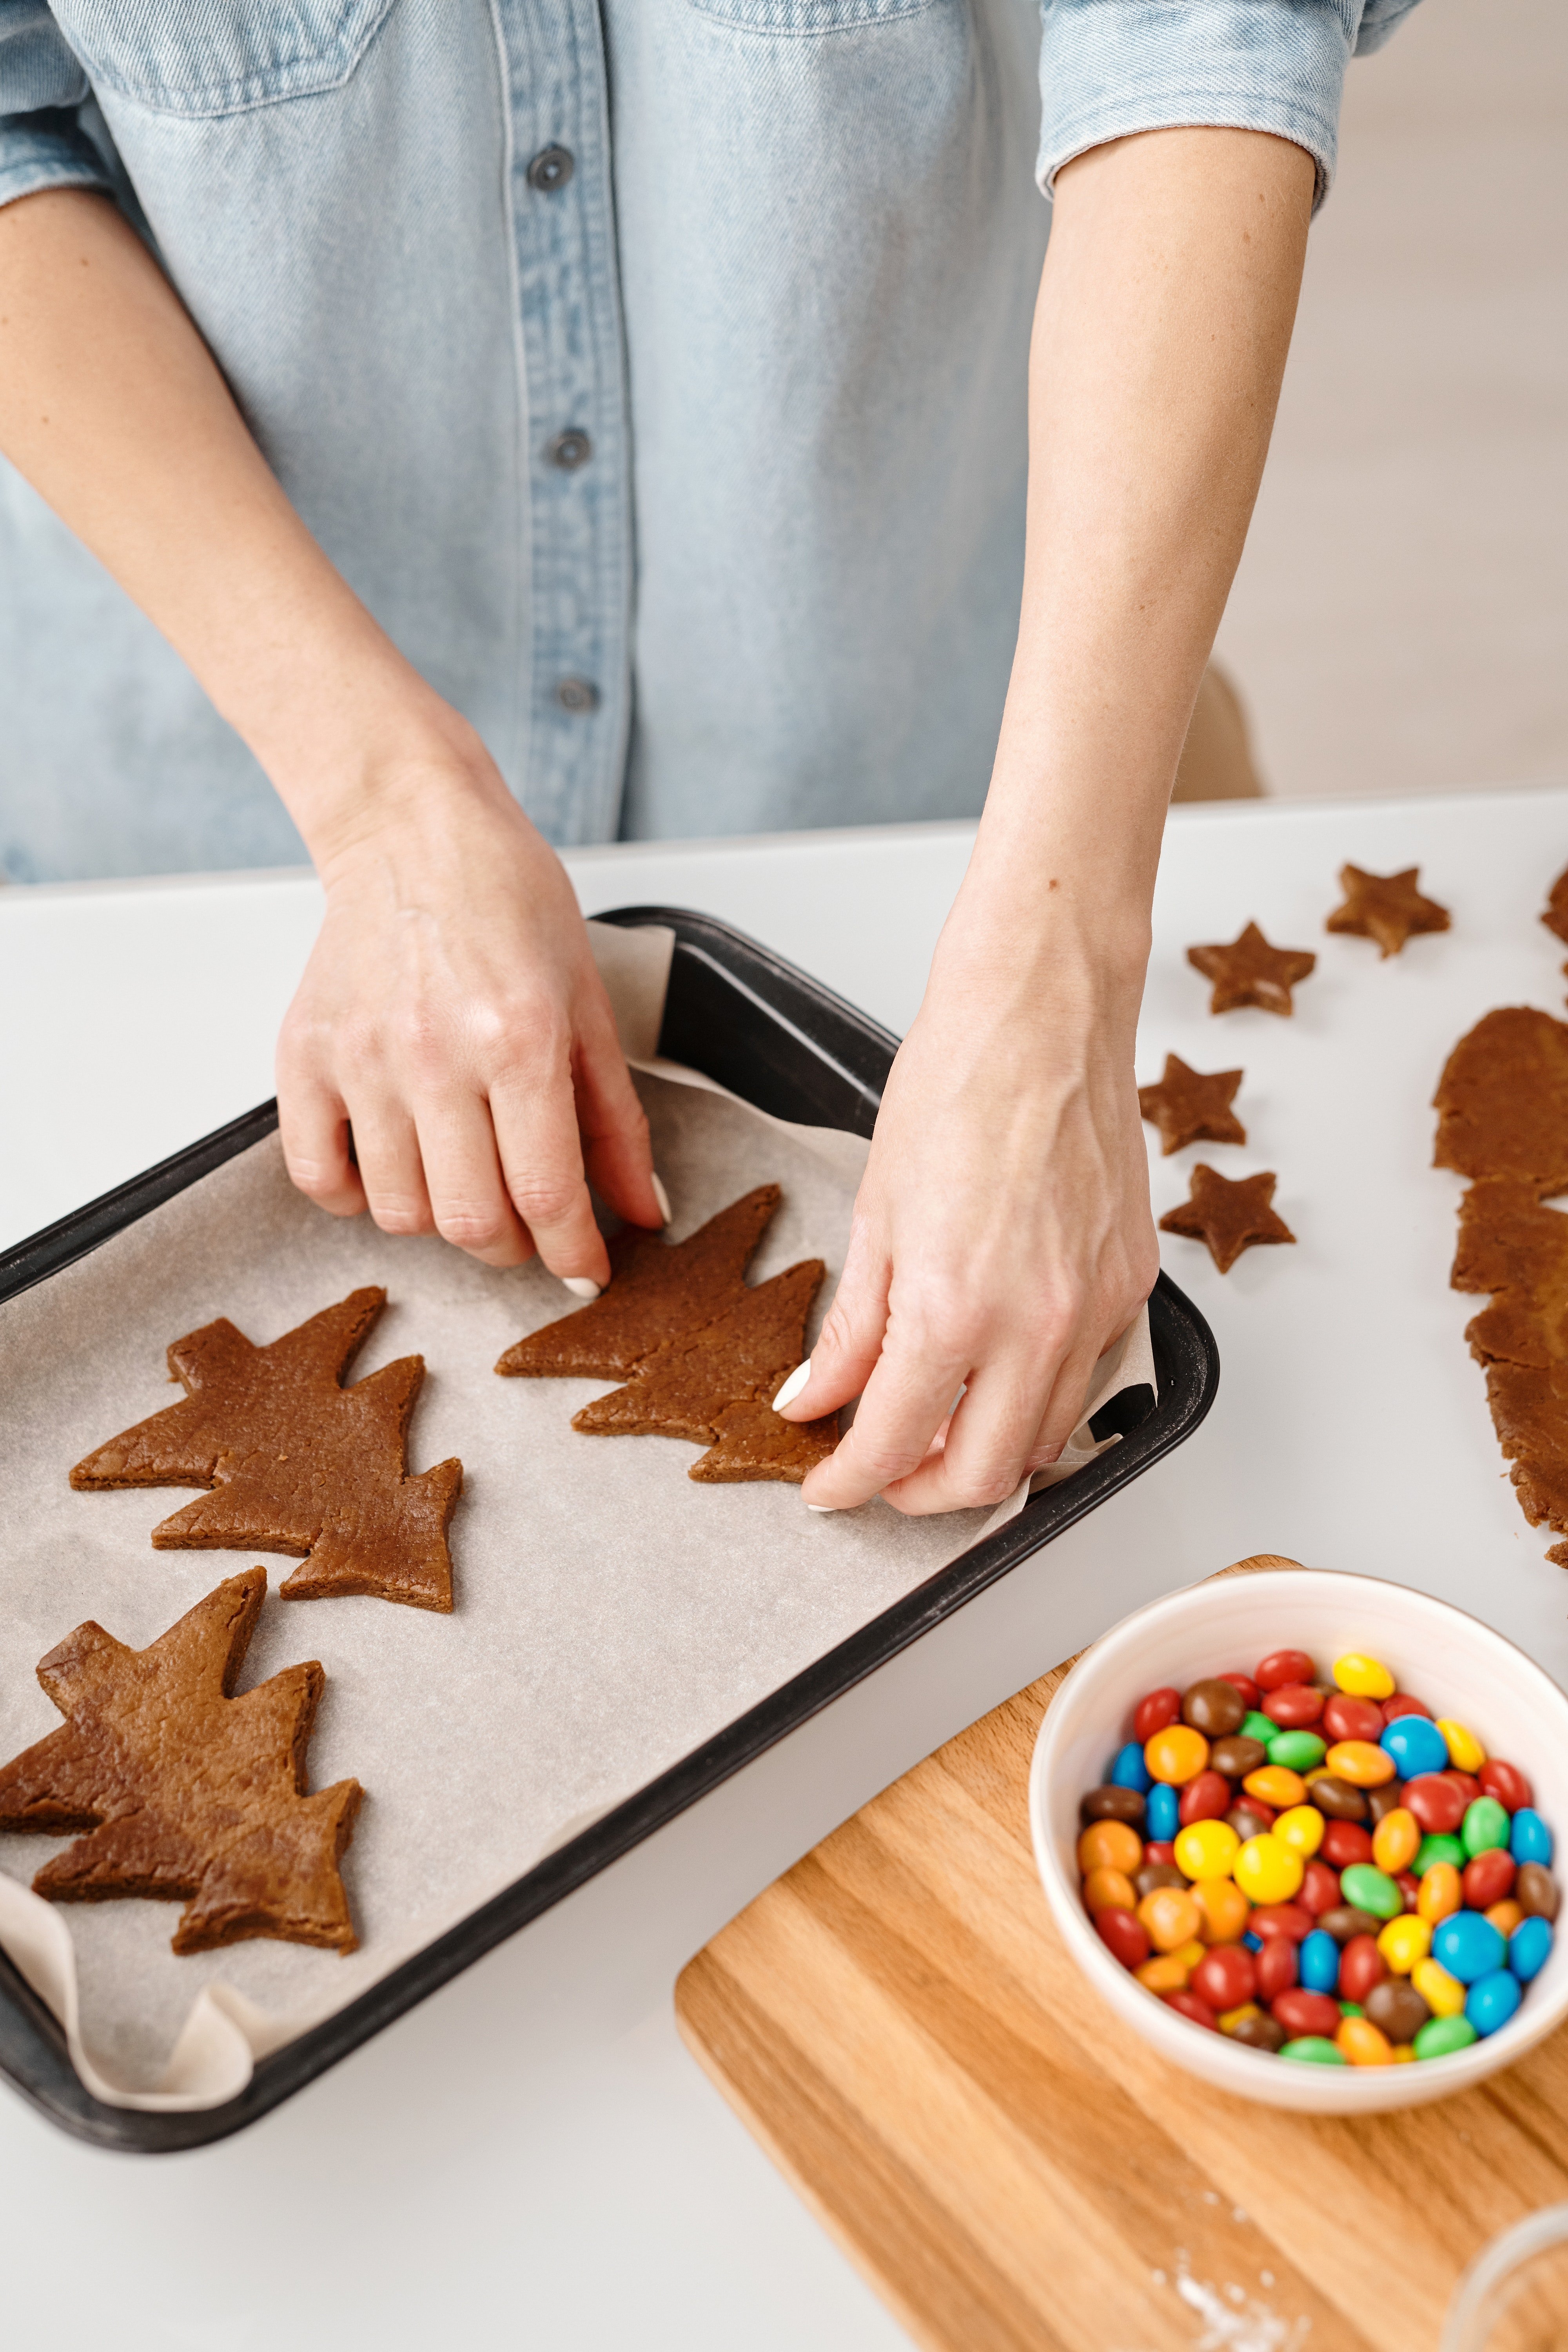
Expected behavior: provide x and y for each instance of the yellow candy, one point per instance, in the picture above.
(1505, 1917)
(1403, 2053)
(1360, 1763)
(1443, 1994)
(1301, 1826)
(1406, 1940)
(1164, 1974)
(1360, 1677)
(1362, 2043)
(1206, 1849)
(1109, 1890)
(1189, 1954)
(1176, 1755)
(1465, 1751)
(1397, 1841)
(1172, 1917)
(1109, 1845)
(1229, 2019)
(1276, 1785)
(1225, 1907)
(1441, 1892)
(1268, 1870)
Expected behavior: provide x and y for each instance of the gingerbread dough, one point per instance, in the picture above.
(1188, 1106)
(1386, 908)
(1229, 1215)
(1250, 971)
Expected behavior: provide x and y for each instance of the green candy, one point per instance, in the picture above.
(1351, 2008)
(1258, 1727)
(1441, 2036)
(1299, 1750)
(1486, 1824)
(1440, 1847)
(1313, 2049)
(1367, 1889)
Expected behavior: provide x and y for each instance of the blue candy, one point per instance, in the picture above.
(1528, 1948)
(1492, 1999)
(1469, 1947)
(1318, 1962)
(1415, 1746)
(1253, 1943)
(1128, 1770)
(1162, 1814)
(1530, 1840)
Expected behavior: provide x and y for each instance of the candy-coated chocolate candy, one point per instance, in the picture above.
(1207, 1799)
(1486, 1825)
(1361, 1967)
(1160, 1850)
(1109, 1890)
(1300, 2011)
(1276, 1786)
(1301, 1826)
(1212, 1707)
(1529, 1840)
(1360, 1677)
(1436, 1803)
(1467, 1947)
(1225, 1977)
(1345, 1842)
(1415, 1746)
(1123, 1936)
(1362, 2043)
(1278, 1967)
(1443, 1994)
(1402, 2054)
(1162, 1973)
(1315, 2050)
(1403, 1704)
(1409, 1887)
(1150, 1877)
(1535, 1891)
(1127, 1769)
(1506, 1782)
(1338, 1799)
(1225, 1907)
(1397, 1841)
(1381, 1802)
(1229, 2019)
(1176, 1755)
(1282, 1666)
(1109, 1845)
(1318, 1963)
(1492, 2000)
(1370, 1889)
(1320, 1889)
(1528, 1948)
(1250, 1694)
(1435, 1850)
(1442, 1893)
(1256, 1726)
(1468, 1787)
(1111, 1804)
(1267, 1870)
(1488, 1878)
(1206, 1849)
(1395, 2005)
(1360, 1763)
(1294, 1706)
(1171, 1917)
(1188, 2005)
(1291, 1919)
(1162, 1814)
(1505, 1917)
(1345, 1921)
(1355, 1718)
(1465, 1751)
(1250, 1817)
(1298, 1751)
(1443, 2036)
(1153, 1712)
(1405, 1941)
(1259, 2031)
(1237, 1756)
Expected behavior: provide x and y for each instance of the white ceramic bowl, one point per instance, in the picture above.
(1459, 1667)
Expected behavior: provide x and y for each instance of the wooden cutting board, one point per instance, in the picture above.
(899, 2024)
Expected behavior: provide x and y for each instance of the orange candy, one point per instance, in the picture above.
(1360, 1763)
(1362, 2043)
(1441, 1895)
(1505, 1917)
(1172, 1917)
(1397, 1841)
(1163, 1973)
(1176, 1755)
(1225, 1907)
(1109, 1890)
(1109, 1845)
(1277, 1786)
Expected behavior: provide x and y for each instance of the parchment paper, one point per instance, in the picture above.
(611, 1615)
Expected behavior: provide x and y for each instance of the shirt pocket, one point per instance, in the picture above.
(222, 56)
(798, 16)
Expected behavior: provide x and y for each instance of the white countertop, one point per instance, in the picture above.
(530, 2157)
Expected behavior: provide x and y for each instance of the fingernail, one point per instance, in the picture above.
(661, 1196)
(824, 1507)
(580, 1286)
(792, 1386)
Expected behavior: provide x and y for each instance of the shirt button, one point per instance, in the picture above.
(577, 694)
(570, 449)
(551, 169)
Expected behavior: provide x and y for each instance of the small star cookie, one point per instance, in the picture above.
(1188, 1106)
(1230, 1216)
(1386, 908)
(1250, 971)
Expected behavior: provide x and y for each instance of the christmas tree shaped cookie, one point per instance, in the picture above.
(186, 1792)
(296, 1462)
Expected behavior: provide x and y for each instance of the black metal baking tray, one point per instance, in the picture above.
(769, 1033)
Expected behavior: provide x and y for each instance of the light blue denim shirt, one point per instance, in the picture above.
(654, 369)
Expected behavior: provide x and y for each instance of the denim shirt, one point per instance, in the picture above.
(654, 370)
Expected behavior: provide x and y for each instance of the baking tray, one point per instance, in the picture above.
(753, 1023)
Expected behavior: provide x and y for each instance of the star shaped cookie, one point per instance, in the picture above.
(1188, 1106)
(1250, 971)
(1386, 908)
(1230, 1216)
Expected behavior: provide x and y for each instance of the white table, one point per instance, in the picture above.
(531, 2158)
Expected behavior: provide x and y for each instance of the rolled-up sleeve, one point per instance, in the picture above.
(1110, 68)
(42, 88)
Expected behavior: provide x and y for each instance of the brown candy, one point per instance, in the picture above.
(1259, 2032)
(1386, 1800)
(1397, 2008)
(1246, 1822)
(1338, 1799)
(1111, 1804)
(1213, 1708)
(1347, 1921)
(1157, 1874)
(1535, 1891)
(1236, 1757)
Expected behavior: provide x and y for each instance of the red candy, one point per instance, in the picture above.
(1409, 1886)
(1345, 1842)
(1352, 1718)
(1294, 1706)
(1467, 1783)
(1225, 1977)
(1205, 1798)
(1187, 2004)
(1302, 2012)
(1281, 1919)
(1438, 1805)
(1123, 1934)
(1160, 1850)
(1403, 1704)
(1250, 1694)
(1320, 1889)
(1507, 1783)
(1277, 1968)
(1488, 1879)
(1361, 1965)
(1154, 1712)
(1282, 1666)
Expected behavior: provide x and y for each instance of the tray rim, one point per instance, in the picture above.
(32, 2055)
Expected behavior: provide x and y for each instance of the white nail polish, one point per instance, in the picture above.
(580, 1286)
(792, 1386)
(827, 1509)
(661, 1196)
